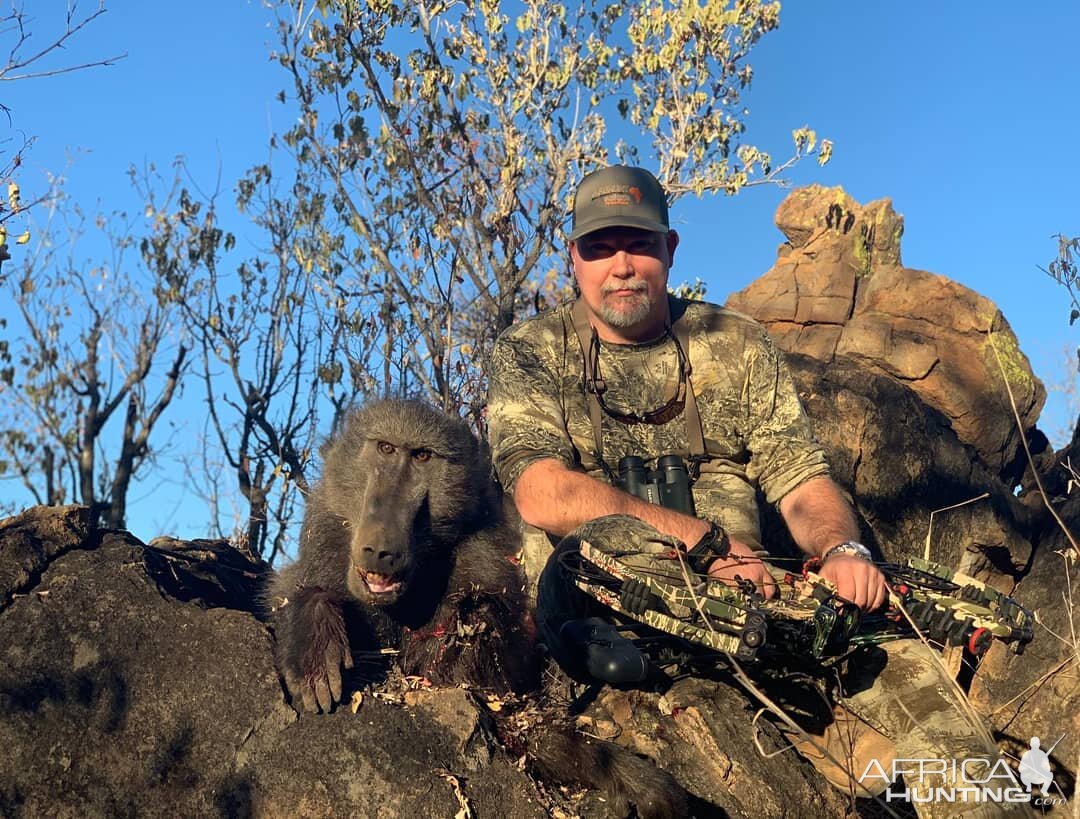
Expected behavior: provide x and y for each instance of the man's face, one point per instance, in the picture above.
(622, 274)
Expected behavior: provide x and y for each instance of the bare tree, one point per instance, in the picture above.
(28, 59)
(88, 370)
(273, 348)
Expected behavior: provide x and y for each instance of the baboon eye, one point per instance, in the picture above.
(387, 448)
(422, 455)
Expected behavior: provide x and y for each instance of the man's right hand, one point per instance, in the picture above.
(742, 563)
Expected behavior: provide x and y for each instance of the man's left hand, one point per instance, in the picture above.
(856, 580)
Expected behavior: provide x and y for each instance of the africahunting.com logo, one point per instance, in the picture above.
(977, 779)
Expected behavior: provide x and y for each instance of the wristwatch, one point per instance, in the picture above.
(713, 544)
(849, 547)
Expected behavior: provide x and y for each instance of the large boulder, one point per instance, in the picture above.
(138, 680)
(912, 479)
(132, 685)
(901, 372)
(839, 290)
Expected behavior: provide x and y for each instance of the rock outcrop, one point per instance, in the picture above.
(839, 291)
(901, 373)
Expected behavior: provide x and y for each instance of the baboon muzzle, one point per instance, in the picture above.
(383, 534)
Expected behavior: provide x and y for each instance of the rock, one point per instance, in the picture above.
(117, 699)
(34, 538)
(383, 761)
(133, 685)
(703, 732)
(838, 290)
(1038, 693)
(138, 680)
(902, 462)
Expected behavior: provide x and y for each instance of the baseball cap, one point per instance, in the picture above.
(619, 196)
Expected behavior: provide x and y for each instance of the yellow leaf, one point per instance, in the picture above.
(13, 196)
(23, 238)
(3, 235)
(356, 701)
(825, 154)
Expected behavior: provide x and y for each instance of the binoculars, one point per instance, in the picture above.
(668, 485)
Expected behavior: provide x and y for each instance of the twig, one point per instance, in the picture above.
(465, 809)
(757, 738)
(1027, 449)
(1033, 685)
(930, 528)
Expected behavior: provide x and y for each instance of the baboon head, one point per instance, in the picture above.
(406, 481)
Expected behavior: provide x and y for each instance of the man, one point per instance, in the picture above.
(628, 370)
(756, 432)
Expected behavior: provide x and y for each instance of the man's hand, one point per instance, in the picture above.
(742, 563)
(856, 580)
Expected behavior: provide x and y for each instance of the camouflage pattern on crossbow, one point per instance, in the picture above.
(807, 618)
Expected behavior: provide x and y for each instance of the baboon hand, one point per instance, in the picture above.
(317, 686)
(313, 672)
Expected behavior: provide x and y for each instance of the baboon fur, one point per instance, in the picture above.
(407, 544)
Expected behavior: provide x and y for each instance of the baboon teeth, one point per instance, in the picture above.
(379, 583)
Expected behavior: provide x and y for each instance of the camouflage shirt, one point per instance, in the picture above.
(756, 432)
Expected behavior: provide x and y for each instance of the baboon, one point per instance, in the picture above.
(407, 544)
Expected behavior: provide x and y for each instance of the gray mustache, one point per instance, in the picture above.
(631, 285)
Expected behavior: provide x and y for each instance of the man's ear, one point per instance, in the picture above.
(571, 250)
(672, 243)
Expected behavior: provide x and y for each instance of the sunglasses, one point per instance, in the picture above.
(595, 384)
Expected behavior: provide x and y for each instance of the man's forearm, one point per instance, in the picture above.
(818, 516)
(558, 500)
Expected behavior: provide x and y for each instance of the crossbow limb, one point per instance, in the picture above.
(808, 618)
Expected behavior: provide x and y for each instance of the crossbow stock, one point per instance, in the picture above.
(807, 618)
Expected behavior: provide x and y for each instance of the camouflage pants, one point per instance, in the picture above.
(894, 702)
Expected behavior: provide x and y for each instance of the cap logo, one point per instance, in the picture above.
(616, 195)
(619, 196)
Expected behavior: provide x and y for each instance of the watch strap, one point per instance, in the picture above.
(849, 547)
(714, 544)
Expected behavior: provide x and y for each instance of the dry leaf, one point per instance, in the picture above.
(465, 810)
(356, 701)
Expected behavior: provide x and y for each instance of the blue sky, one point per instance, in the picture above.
(963, 113)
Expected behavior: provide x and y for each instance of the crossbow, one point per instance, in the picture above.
(807, 618)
